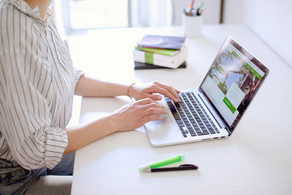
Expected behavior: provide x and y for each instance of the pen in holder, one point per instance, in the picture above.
(192, 20)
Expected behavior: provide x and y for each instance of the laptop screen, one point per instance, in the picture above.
(232, 81)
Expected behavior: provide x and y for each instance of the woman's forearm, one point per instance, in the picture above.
(96, 88)
(82, 135)
(127, 118)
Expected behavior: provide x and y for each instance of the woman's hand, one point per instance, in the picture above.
(150, 90)
(136, 114)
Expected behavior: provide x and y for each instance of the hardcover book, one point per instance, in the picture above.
(143, 66)
(166, 52)
(162, 42)
(161, 60)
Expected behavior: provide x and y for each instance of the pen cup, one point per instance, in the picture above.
(192, 25)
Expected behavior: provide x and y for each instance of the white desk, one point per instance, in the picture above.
(241, 164)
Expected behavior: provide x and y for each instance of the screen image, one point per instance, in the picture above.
(232, 81)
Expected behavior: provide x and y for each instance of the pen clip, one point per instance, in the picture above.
(187, 165)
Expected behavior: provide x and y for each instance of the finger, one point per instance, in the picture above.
(166, 86)
(143, 105)
(155, 97)
(155, 111)
(150, 112)
(152, 105)
(170, 93)
(153, 117)
(174, 92)
(144, 101)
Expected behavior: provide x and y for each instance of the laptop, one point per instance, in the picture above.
(214, 110)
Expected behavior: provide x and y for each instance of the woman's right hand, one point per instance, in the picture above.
(136, 114)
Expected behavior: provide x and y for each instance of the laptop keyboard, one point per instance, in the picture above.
(190, 116)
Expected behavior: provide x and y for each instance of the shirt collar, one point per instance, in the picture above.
(32, 12)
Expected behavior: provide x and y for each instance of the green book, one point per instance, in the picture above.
(166, 52)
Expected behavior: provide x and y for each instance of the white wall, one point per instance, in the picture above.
(153, 13)
(271, 20)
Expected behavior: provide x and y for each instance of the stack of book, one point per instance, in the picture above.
(154, 51)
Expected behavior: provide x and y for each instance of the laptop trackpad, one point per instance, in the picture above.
(163, 131)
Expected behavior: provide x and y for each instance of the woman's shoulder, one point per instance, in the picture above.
(16, 29)
(16, 20)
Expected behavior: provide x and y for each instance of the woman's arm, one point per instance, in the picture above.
(96, 88)
(129, 117)
(90, 87)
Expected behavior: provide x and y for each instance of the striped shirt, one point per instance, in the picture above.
(37, 84)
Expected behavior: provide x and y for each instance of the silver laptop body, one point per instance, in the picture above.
(213, 110)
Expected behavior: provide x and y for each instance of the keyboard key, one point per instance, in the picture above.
(183, 132)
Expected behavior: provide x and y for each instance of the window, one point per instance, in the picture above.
(91, 14)
(80, 15)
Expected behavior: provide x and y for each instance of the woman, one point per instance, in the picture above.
(37, 84)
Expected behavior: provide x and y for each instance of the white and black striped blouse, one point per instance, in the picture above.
(37, 83)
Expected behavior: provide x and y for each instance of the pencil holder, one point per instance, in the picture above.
(192, 25)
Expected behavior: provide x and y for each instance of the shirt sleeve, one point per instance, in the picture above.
(26, 118)
(77, 75)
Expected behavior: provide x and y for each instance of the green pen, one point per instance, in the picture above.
(163, 162)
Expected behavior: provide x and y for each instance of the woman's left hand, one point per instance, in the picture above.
(150, 90)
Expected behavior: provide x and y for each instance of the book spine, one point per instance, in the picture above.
(160, 60)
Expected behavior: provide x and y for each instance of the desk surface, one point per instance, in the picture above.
(256, 159)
